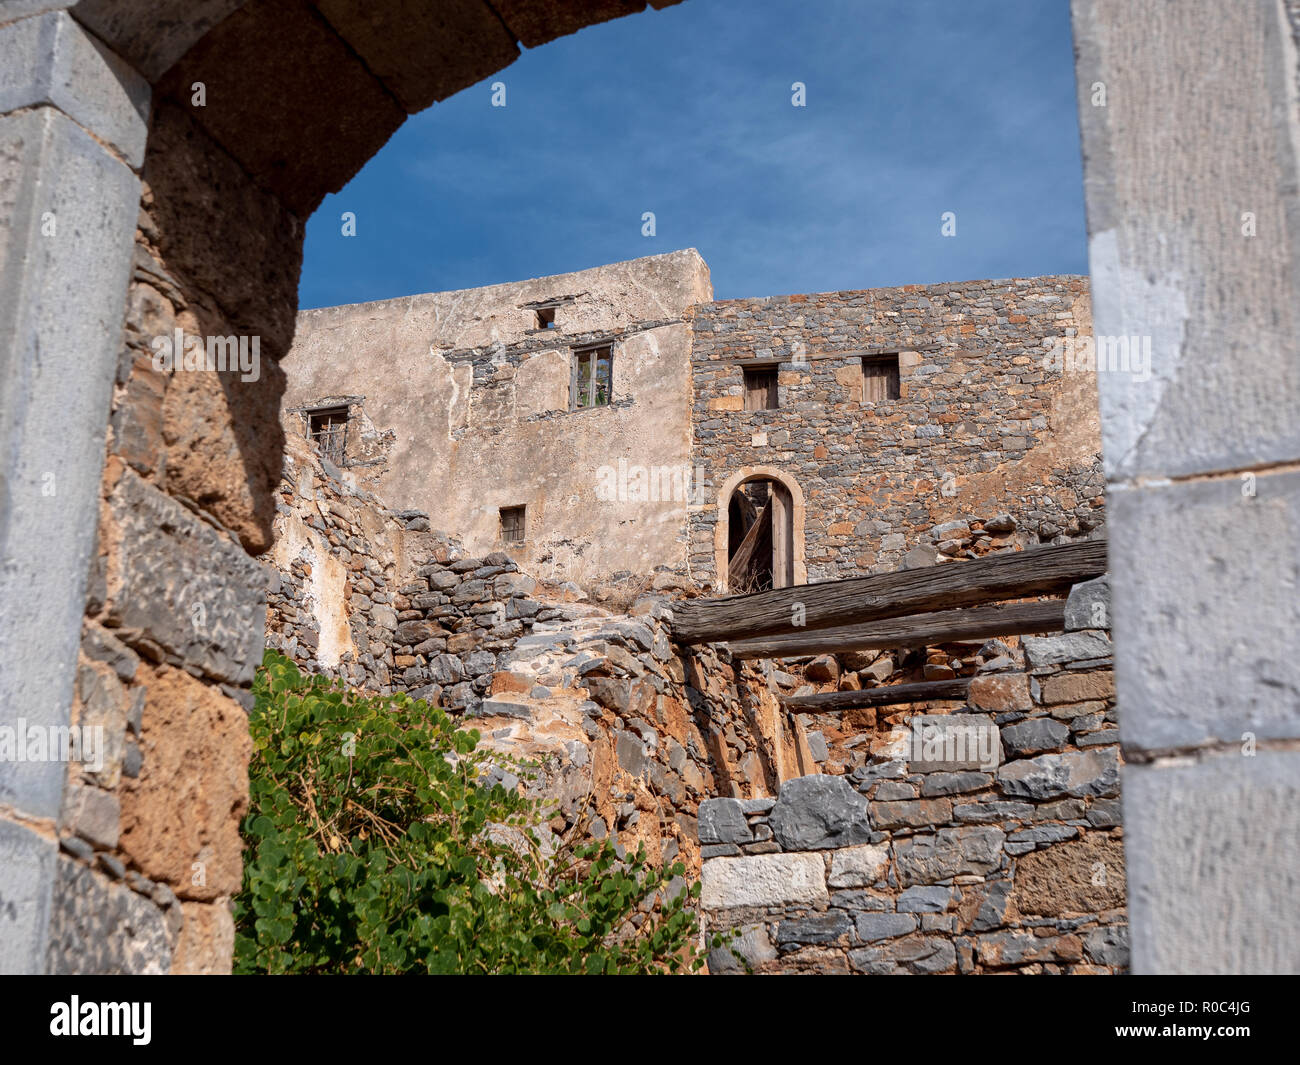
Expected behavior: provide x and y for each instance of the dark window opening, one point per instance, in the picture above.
(328, 430)
(545, 317)
(593, 378)
(512, 524)
(879, 378)
(760, 388)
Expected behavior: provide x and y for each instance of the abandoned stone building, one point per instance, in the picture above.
(465, 467)
(501, 453)
(609, 422)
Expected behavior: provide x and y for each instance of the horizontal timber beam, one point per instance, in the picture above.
(915, 630)
(807, 607)
(833, 702)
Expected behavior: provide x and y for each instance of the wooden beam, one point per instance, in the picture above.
(1039, 571)
(738, 566)
(889, 695)
(915, 630)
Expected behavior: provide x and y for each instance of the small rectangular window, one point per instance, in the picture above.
(545, 318)
(593, 377)
(328, 429)
(879, 378)
(512, 524)
(760, 388)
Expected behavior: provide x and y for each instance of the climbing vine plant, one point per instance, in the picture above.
(375, 844)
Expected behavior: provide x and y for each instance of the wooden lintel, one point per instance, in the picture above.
(856, 600)
(889, 695)
(915, 630)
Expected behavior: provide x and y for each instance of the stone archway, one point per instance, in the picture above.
(787, 517)
(299, 95)
(182, 145)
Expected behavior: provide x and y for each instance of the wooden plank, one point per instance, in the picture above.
(757, 541)
(915, 630)
(889, 695)
(1039, 571)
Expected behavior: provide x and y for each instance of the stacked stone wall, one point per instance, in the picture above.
(1002, 855)
(629, 731)
(985, 422)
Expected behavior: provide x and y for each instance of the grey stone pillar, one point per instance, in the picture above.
(1190, 139)
(73, 121)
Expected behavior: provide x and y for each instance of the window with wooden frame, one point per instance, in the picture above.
(512, 524)
(593, 378)
(879, 378)
(760, 388)
(327, 428)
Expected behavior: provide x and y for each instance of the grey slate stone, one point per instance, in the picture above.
(926, 858)
(819, 813)
(922, 899)
(819, 928)
(1088, 605)
(1034, 735)
(1075, 773)
(950, 783)
(753, 947)
(1107, 946)
(1072, 646)
(55, 392)
(874, 926)
(723, 821)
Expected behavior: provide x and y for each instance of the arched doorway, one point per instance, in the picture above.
(758, 539)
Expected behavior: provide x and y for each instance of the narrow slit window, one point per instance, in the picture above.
(545, 318)
(328, 430)
(760, 388)
(879, 378)
(512, 524)
(593, 379)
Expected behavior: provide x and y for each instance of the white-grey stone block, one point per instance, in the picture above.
(26, 883)
(1207, 606)
(762, 880)
(859, 866)
(1212, 857)
(50, 59)
(949, 743)
(67, 215)
(1168, 256)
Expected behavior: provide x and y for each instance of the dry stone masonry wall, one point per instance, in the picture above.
(983, 423)
(630, 732)
(977, 838)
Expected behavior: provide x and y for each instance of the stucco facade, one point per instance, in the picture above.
(461, 404)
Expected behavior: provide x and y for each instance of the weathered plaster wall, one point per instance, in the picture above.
(473, 401)
(984, 423)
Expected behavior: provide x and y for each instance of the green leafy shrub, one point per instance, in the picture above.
(374, 846)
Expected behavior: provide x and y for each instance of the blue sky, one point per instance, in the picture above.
(914, 108)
